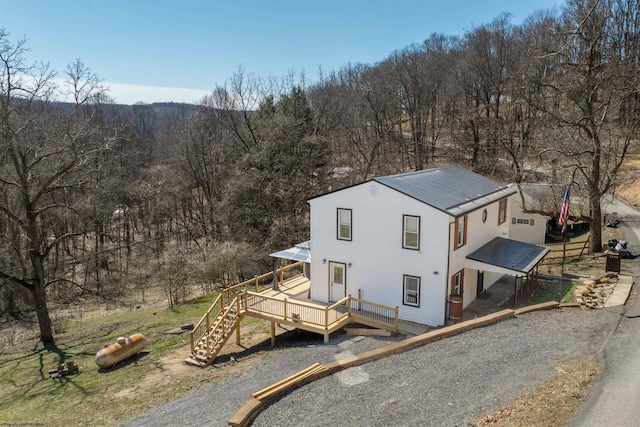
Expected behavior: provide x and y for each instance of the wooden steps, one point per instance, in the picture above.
(209, 345)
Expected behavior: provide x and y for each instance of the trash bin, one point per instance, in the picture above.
(613, 262)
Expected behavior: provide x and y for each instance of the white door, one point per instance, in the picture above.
(337, 281)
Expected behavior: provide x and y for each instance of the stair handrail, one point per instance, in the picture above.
(220, 321)
(381, 313)
(206, 319)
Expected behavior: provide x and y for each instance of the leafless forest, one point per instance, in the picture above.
(98, 199)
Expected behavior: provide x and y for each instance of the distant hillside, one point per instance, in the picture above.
(163, 112)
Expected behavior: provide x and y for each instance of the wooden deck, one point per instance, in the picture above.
(296, 287)
(296, 292)
(288, 305)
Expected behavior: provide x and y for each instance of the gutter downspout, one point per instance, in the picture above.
(446, 277)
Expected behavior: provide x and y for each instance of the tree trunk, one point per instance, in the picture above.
(42, 311)
(595, 239)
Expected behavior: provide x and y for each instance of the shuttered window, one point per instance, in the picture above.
(461, 232)
(502, 211)
(457, 283)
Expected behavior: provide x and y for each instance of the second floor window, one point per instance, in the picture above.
(410, 232)
(461, 232)
(502, 211)
(344, 224)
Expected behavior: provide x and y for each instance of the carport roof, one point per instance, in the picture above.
(300, 252)
(506, 256)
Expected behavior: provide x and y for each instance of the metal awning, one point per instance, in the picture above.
(300, 252)
(506, 256)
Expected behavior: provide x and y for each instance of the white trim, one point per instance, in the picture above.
(406, 292)
(406, 231)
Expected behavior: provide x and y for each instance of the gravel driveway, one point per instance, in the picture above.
(445, 383)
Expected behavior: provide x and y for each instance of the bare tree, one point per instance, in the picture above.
(590, 97)
(47, 156)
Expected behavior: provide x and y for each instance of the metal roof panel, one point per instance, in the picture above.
(509, 254)
(451, 189)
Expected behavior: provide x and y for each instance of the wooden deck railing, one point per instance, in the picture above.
(382, 314)
(325, 317)
(295, 310)
(264, 281)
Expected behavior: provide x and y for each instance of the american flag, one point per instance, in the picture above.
(564, 211)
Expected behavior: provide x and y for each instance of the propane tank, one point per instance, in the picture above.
(123, 349)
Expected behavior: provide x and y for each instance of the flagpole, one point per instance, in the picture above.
(564, 253)
(562, 220)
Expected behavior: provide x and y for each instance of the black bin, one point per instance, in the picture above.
(613, 262)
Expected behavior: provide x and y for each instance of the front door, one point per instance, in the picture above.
(337, 281)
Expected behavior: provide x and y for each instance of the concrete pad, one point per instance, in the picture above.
(620, 292)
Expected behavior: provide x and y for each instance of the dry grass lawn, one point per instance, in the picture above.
(552, 403)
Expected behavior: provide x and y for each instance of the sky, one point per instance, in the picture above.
(179, 51)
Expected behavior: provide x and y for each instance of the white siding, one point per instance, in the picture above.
(378, 261)
(534, 234)
(478, 234)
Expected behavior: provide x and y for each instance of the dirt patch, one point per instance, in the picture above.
(170, 370)
(630, 181)
(552, 403)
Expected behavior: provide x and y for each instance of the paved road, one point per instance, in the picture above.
(615, 397)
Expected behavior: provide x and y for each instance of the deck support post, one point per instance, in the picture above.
(273, 334)
(326, 337)
(238, 333)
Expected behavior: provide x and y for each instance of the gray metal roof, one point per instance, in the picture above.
(513, 255)
(300, 252)
(451, 189)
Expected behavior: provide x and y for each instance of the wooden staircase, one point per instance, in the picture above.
(217, 334)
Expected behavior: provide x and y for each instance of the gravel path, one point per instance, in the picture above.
(448, 382)
(214, 405)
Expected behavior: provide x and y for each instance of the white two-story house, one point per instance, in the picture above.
(414, 240)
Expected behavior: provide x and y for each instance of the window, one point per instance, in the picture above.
(457, 283)
(461, 232)
(344, 224)
(524, 221)
(411, 291)
(411, 232)
(502, 211)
